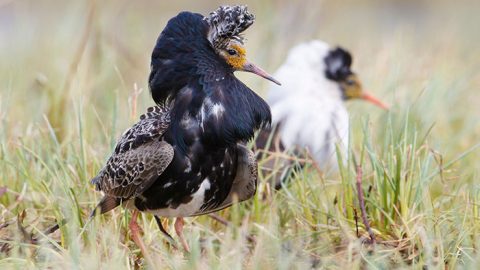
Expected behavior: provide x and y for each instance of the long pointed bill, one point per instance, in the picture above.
(370, 98)
(249, 67)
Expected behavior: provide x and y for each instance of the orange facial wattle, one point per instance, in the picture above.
(237, 61)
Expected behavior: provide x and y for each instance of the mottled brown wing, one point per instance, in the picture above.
(152, 125)
(139, 158)
(245, 183)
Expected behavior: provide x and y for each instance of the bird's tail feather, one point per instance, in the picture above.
(106, 204)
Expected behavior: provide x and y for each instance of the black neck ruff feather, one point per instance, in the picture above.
(187, 73)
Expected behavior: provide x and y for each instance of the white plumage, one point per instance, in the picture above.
(309, 107)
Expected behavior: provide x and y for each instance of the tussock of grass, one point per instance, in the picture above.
(62, 106)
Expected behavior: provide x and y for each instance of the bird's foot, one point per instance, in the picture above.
(135, 231)
(179, 230)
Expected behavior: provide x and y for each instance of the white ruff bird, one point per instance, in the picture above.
(308, 110)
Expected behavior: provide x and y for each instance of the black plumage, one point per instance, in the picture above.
(186, 157)
(337, 64)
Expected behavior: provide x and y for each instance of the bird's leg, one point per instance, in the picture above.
(135, 230)
(162, 229)
(179, 230)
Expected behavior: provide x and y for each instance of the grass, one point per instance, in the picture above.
(73, 77)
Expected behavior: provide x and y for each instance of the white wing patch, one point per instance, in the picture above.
(189, 165)
(188, 209)
(211, 109)
(217, 110)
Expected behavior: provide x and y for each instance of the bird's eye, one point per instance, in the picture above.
(232, 52)
(350, 82)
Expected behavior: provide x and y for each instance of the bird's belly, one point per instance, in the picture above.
(186, 209)
(320, 131)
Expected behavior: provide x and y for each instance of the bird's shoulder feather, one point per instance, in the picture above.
(246, 111)
(139, 157)
(152, 124)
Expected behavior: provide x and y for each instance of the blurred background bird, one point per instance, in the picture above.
(308, 110)
(185, 157)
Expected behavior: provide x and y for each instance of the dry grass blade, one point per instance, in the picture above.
(361, 202)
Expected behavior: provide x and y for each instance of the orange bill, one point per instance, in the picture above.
(250, 67)
(370, 98)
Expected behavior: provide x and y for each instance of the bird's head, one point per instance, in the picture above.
(226, 25)
(234, 54)
(338, 62)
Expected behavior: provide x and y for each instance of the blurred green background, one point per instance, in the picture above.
(73, 76)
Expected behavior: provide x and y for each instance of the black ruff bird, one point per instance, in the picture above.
(185, 157)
